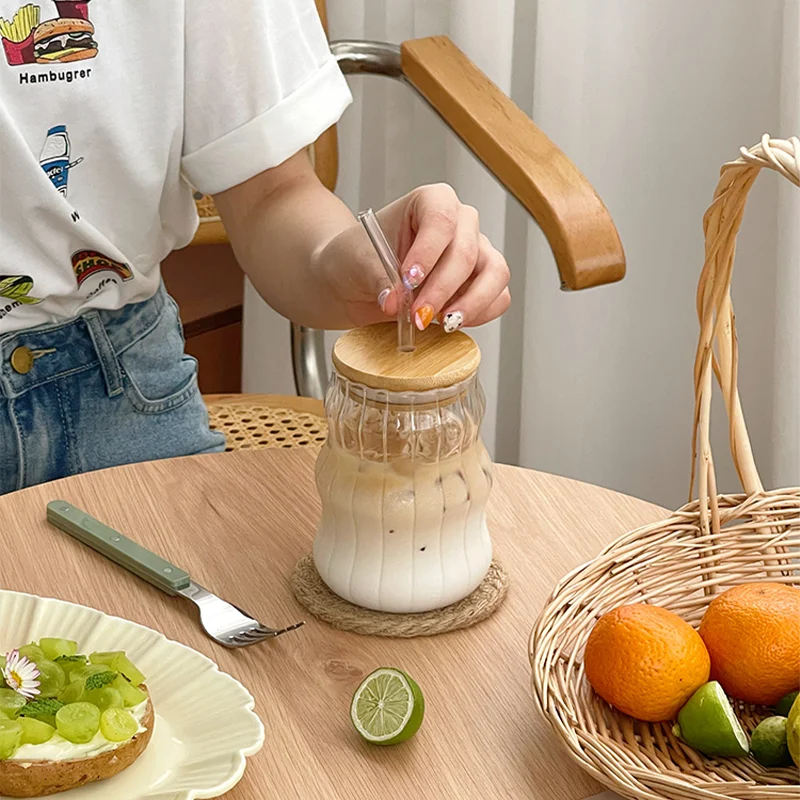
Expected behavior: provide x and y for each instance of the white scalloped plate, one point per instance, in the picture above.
(205, 724)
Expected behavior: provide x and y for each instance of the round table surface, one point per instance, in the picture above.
(239, 522)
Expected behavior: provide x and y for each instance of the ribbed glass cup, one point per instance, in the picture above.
(404, 479)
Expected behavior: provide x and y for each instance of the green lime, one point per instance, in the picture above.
(768, 743)
(708, 724)
(387, 707)
(786, 703)
(793, 731)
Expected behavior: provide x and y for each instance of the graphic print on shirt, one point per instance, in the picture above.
(55, 158)
(86, 263)
(67, 37)
(15, 289)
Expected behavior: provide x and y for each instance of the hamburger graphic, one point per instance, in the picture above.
(64, 39)
(26, 39)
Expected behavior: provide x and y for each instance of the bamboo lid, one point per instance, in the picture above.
(370, 356)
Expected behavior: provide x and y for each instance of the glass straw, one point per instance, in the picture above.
(405, 294)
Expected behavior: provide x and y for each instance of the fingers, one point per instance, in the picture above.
(485, 297)
(435, 215)
(460, 278)
(452, 320)
(453, 270)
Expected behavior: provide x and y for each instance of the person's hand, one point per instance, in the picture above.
(460, 279)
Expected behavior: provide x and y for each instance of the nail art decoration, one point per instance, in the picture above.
(452, 321)
(414, 277)
(382, 298)
(423, 317)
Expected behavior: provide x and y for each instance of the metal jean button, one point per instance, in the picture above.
(22, 360)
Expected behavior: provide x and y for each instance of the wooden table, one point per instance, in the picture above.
(239, 522)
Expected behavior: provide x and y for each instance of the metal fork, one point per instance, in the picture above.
(223, 622)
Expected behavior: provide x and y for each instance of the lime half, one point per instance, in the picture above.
(707, 723)
(387, 707)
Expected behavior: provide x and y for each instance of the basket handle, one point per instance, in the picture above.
(717, 347)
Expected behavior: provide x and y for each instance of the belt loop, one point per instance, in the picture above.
(105, 352)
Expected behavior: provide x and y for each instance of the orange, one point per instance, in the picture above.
(645, 661)
(752, 633)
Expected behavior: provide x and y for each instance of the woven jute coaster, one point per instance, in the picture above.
(312, 593)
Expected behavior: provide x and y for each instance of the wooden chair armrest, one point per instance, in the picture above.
(577, 225)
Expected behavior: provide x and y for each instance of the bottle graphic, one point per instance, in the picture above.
(54, 159)
(73, 9)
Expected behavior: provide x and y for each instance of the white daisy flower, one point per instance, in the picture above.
(21, 675)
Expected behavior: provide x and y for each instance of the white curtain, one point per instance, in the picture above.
(649, 99)
(784, 443)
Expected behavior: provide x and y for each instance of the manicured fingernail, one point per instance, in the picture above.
(382, 298)
(452, 321)
(414, 277)
(423, 317)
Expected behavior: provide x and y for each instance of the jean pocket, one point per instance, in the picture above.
(177, 315)
(157, 375)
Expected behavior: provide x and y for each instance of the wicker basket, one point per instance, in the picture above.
(681, 563)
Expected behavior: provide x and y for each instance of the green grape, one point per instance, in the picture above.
(104, 698)
(72, 693)
(52, 679)
(32, 652)
(105, 658)
(118, 724)
(10, 737)
(131, 695)
(78, 722)
(119, 662)
(53, 648)
(124, 665)
(80, 672)
(11, 703)
(34, 731)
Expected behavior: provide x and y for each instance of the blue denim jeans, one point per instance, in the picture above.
(104, 389)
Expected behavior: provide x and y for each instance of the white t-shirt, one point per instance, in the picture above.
(111, 110)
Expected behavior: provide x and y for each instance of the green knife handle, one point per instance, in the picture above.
(118, 548)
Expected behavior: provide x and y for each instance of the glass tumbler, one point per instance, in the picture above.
(404, 477)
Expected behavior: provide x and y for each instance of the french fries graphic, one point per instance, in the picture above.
(22, 25)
